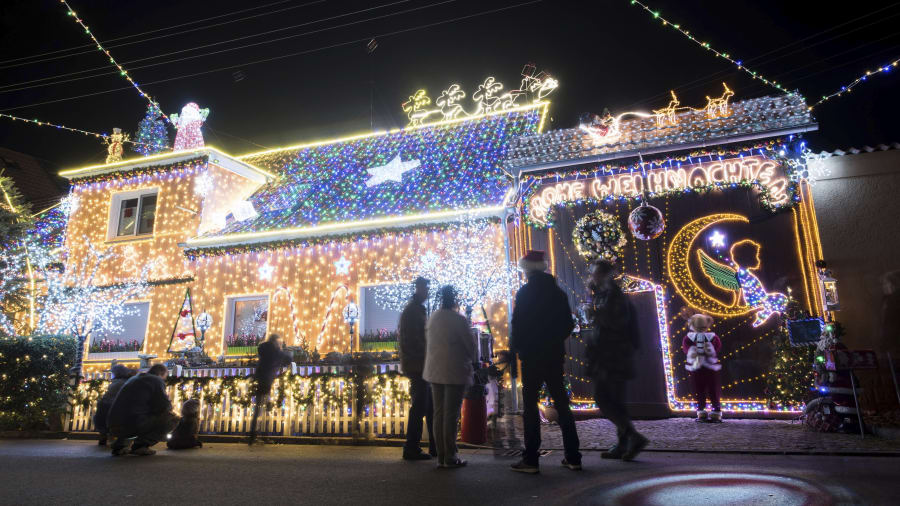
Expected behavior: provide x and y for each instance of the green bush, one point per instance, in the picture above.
(34, 380)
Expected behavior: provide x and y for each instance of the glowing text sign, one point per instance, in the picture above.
(757, 169)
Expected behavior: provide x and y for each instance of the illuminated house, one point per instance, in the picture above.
(282, 240)
(740, 232)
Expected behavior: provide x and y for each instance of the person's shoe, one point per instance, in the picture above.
(575, 466)
(615, 452)
(633, 445)
(118, 452)
(715, 417)
(455, 463)
(143, 451)
(101, 442)
(252, 439)
(702, 416)
(524, 467)
(416, 456)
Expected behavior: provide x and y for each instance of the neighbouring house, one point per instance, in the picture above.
(36, 179)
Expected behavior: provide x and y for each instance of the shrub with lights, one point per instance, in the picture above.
(34, 381)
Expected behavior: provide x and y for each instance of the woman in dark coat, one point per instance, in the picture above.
(120, 375)
(611, 358)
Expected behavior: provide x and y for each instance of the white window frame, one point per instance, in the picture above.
(115, 213)
(228, 324)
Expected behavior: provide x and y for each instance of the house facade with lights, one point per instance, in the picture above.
(283, 240)
(732, 234)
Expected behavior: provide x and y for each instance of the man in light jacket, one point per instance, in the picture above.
(411, 332)
(541, 323)
(449, 367)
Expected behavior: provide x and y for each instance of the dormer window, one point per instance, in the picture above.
(133, 213)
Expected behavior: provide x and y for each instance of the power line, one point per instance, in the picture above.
(242, 46)
(299, 53)
(157, 30)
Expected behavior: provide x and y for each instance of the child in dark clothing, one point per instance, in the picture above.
(185, 434)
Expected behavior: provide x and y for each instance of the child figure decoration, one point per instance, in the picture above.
(702, 348)
(188, 125)
(737, 276)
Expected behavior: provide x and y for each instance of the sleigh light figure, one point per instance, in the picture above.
(736, 276)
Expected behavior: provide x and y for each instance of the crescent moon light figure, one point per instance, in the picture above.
(678, 259)
(735, 275)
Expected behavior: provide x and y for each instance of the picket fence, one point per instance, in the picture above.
(383, 417)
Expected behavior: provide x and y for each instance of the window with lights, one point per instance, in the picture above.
(124, 338)
(133, 214)
(246, 322)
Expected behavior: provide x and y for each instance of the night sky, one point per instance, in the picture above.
(605, 54)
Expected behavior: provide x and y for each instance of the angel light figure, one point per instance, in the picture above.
(188, 125)
(736, 276)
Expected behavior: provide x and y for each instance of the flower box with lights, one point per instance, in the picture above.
(383, 340)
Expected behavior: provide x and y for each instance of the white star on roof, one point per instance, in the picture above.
(392, 171)
(342, 266)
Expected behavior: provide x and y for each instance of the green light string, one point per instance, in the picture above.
(858, 80)
(63, 127)
(122, 71)
(705, 45)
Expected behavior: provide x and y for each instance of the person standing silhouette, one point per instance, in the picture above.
(541, 323)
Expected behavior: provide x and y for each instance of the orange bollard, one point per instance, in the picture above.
(474, 420)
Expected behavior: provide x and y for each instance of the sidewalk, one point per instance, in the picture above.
(734, 435)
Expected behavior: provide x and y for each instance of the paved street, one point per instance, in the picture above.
(78, 472)
(734, 435)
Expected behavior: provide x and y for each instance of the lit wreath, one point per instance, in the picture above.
(599, 235)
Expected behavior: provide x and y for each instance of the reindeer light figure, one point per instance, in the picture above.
(667, 113)
(415, 108)
(449, 102)
(718, 107)
(486, 96)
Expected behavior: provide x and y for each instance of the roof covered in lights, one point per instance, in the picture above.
(420, 174)
(647, 134)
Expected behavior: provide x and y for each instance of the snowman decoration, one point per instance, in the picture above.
(188, 126)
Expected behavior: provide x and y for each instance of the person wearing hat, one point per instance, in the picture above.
(120, 375)
(411, 332)
(541, 323)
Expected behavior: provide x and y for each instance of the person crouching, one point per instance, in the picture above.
(185, 434)
(702, 348)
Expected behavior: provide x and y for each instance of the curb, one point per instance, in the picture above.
(397, 443)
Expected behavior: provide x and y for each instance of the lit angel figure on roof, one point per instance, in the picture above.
(736, 276)
(188, 125)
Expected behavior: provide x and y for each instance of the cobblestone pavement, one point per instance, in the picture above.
(734, 435)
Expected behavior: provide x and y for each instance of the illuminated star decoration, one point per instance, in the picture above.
(392, 171)
(342, 266)
(266, 271)
(717, 239)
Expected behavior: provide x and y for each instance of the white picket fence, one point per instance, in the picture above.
(383, 417)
